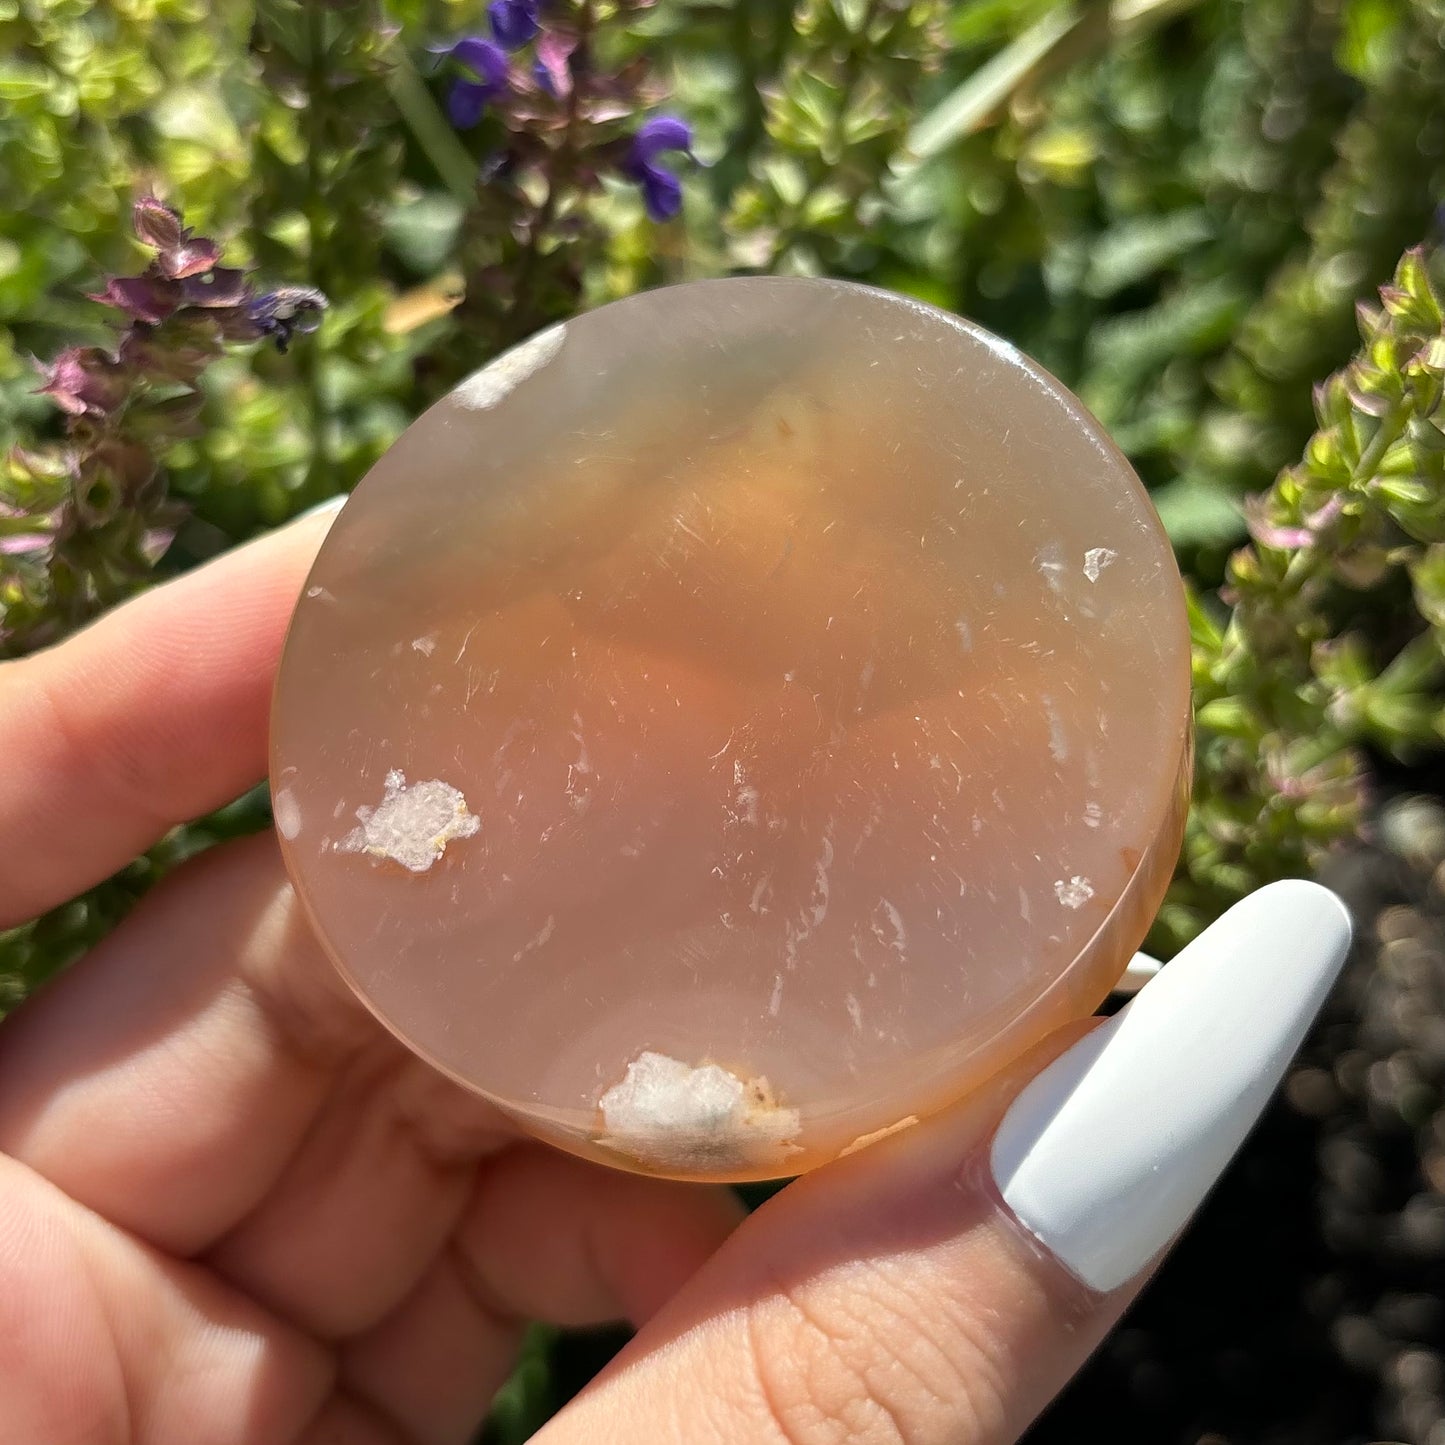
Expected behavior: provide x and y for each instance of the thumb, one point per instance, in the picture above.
(942, 1285)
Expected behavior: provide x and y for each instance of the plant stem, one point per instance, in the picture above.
(563, 157)
(1392, 426)
(446, 153)
(753, 62)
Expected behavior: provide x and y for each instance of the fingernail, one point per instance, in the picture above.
(1107, 1153)
(331, 505)
(1137, 972)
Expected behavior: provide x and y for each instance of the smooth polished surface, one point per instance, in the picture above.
(729, 727)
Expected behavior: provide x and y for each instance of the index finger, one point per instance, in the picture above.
(153, 715)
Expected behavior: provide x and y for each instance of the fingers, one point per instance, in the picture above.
(107, 1340)
(369, 1200)
(524, 1232)
(545, 1237)
(166, 1080)
(941, 1286)
(153, 715)
(557, 1239)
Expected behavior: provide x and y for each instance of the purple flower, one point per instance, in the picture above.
(286, 311)
(1289, 536)
(661, 189)
(84, 380)
(219, 287)
(552, 70)
(26, 544)
(182, 252)
(514, 22)
(146, 298)
(486, 62)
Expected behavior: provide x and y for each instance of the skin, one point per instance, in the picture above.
(234, 1210)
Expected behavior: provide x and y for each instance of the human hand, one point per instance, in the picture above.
(233, 1211)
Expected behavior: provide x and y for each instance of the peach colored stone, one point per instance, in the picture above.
(737, 722)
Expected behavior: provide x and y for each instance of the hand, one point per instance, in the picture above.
(233, 1211)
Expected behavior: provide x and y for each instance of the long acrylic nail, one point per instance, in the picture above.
(1107, 1152)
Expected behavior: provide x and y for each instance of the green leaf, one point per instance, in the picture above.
(1140, 246)
(976, 102)
(24, 82)
(1229, 716)
(423, 232)
(1369, 31)
(1199, 513)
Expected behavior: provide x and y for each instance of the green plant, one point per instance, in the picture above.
(82, 525)
(832, 120)
(1336, 641)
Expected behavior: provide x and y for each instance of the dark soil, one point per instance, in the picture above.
(1304, 1305)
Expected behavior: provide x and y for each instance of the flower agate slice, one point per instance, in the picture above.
(735, 723)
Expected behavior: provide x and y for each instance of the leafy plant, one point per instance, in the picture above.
(1336, 641)
(82, 525)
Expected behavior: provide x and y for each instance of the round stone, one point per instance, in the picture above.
(730, 727)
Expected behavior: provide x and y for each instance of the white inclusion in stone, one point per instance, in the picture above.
(424, 645)
(1075, 893)
(1096, 559)
(485, 388)
(747, 798)
(899, 942)
(1058, 738)
(1050, 562)
(537, 940)
(674, 1115)
(411, 825)
(287, 812)
(1093, 815)
(761, 893)
(965, 635)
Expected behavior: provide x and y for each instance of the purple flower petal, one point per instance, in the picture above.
(659, 134)
(145, 298)
(25, 544)
(222, 286)
(661, 192)
(514, 22)
(181, 252)
(84, 379)
(553, 67)
(285, 312)
(485, 59)
(466, 101)
(1282, 538)
(192, 257)
(157, 224)
(155, 541)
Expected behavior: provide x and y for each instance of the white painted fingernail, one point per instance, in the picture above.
(1137, 972)
(1106, 1154)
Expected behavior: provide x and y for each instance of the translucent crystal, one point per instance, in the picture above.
(795, 684)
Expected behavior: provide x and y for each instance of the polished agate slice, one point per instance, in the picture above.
(734, 724)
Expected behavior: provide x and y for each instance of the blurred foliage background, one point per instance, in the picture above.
(1186, 209)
